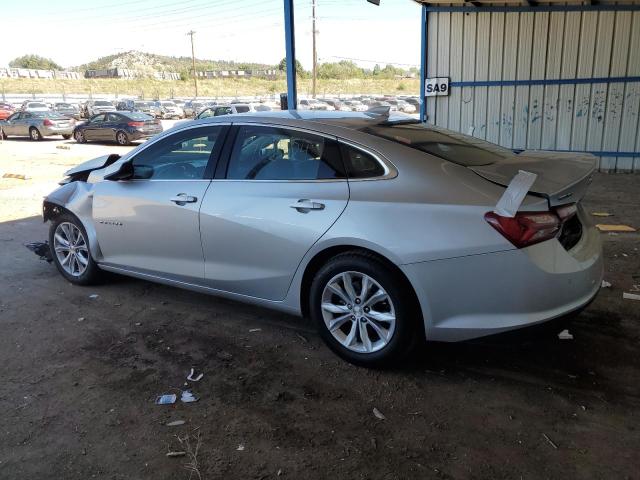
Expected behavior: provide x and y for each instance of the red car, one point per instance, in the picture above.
(5, 110)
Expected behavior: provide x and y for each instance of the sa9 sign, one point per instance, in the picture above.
(436, 86)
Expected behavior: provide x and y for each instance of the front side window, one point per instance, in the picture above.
(183, 155)
(15, 116)
(271, 153)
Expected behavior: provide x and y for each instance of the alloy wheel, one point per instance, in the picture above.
(358, 312)
(35, 134)
(71, 249)
(121, 138)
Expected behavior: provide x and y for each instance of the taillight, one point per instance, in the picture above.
(47, 123)
(526, 228)
(135, 124)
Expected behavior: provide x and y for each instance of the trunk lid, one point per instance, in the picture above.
(562, 177)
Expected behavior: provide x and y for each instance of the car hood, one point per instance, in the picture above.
(94, 164)
(562, 177)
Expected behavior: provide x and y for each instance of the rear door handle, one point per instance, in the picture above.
(183, 199)
(304, 205)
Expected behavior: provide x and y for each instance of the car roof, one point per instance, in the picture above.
(352, 120)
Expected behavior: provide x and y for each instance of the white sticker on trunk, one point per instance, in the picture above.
(513, 196)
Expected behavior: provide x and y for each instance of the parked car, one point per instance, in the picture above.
(336, 104)
(224, 110)
(192, 108)
(94, 107)
(356, 105)
(383, 230)
(168, 109)
(313, 104)
(120, 127)
(37, 125)
(28, 106)
(66, 110)
(6, 110)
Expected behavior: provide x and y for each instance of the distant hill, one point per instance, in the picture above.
(150, 62)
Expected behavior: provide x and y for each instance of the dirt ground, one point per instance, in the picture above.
(80, 375)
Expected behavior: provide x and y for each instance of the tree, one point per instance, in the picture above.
(282, 66)
(376, 70)
(34, 61)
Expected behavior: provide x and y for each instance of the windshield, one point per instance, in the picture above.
(102, 103)
(452, 146)
(242, 108)
(36, 105)
(63, 105)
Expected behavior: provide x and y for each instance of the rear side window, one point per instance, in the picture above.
(271, 153)
(242, 109)
(360, 164)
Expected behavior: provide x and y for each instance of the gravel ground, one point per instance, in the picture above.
(80, 375)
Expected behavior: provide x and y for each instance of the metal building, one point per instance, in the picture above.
(532, 75)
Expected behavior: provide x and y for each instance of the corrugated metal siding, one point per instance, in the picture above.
(536, 46)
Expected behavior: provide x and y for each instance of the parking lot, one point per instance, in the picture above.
(83, 366)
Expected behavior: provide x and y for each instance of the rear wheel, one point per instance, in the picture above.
(79, 136)
(122, 138)
(34, 134)
(66, 137)
(70, 250)
(363, 310)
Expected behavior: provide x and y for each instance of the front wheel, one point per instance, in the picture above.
(69, 246)
(363, 310)
(79, 136)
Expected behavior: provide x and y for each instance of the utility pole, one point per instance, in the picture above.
(315, 55)
(193, 59)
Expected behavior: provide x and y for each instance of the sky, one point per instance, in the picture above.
(73, 32)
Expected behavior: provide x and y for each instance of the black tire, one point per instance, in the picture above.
(408, 325)
(66, 137)
(122, 138)
(78, 135)
(92, 272)
(34, 134)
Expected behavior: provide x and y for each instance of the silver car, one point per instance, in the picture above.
(37, 125)
(381, 229)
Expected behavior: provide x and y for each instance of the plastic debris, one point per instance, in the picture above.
(176, 423)
(81, 319)
(605, 284)
(630, 296)
(167, 399)
(601, 214)
(378, 414)
(240, 448)
(93, 296)
(565, 335)
(197, 378)
(19, 176)
(188, 397)
(614, 228)
(255, 330)
(550, 441)
(41, 249)
(513, 196)
(176, 454)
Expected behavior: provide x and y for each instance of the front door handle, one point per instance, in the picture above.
(304, 205)
(183, 199)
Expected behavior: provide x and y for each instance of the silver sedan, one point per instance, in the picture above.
(383, 230)
(37, 125)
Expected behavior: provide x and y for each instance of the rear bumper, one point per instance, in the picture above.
(135, 134)
(48, 131)
(478, 295)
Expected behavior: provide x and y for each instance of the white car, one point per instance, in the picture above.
(356, 105)
(313, 104)
(35, 107)
(170, 109)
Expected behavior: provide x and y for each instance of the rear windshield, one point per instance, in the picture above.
(138, 116)
(47, 115)
(36, 105)
(452, 146)
(242, 108)
(101, 103)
